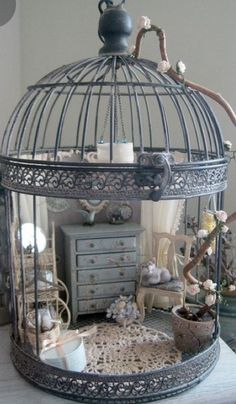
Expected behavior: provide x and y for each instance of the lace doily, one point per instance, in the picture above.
(135, 349)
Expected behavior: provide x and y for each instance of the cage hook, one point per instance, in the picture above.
(108, 3)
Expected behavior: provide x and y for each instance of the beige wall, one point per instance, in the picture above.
(55, 32)
(10, 78)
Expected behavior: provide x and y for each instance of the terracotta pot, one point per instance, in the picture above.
(191, 336)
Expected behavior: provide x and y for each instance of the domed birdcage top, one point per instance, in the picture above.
(115, 126)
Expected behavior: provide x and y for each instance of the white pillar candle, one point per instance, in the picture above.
(122, 153)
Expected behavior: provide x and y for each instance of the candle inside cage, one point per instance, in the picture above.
(122, 153)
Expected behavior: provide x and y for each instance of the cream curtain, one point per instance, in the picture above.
(162, 216)
(26, 205)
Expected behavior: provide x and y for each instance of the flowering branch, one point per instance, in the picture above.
(146, 26)
(219, 225)
(162, 38)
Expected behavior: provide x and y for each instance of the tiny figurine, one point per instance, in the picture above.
(152, 275)
(88, 217)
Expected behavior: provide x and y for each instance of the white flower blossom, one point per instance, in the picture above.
(193, 289)
(221, 215)
(224, 229)
(209, 251)
(210, 299)
(180, 67)
(202, 233)
(227, 145)
(132, 49)
(163, 66)
(232, 288)
(209, 285)
(144, 22)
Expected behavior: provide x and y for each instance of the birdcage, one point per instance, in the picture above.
(136, 130)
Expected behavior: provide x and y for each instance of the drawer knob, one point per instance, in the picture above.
(122, 258)
(122, 289)
(92, 277)
(93, 306)
(122, 273)
(92, 245)
(92, 291)
(121, 243)
(92, 261)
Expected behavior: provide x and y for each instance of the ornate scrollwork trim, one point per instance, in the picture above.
(107, 182)
(95, 389)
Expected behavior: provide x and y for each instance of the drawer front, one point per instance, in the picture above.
(91, 306)
(106, 289)
(106, 244)
(105, 260)
(106, 275)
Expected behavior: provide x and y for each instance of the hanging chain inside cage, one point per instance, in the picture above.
(116, 109)
(124, 139)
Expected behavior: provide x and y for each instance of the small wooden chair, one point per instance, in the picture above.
(175, 288)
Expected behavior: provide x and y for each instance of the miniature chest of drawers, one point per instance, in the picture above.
(100, 264)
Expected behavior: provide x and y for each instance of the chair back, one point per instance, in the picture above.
(166, 249)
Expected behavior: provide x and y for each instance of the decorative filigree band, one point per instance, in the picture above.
(165, 180)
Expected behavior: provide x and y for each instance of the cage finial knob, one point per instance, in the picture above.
(115, 27)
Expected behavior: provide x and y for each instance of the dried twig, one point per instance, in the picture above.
(179, 78)
(202, 250)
